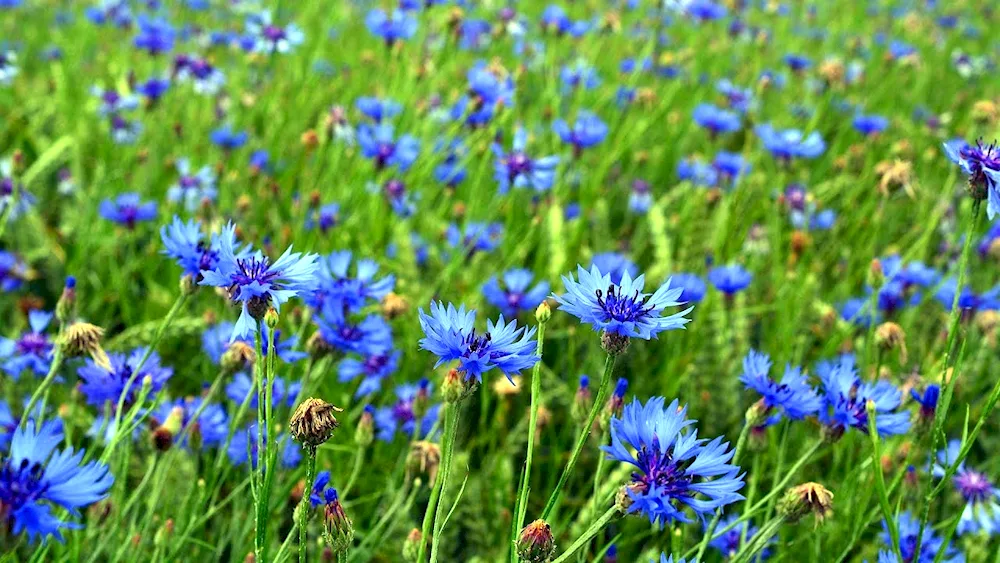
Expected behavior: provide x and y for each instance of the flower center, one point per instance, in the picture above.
(20, 484)
(33, 343)
(974, 486)
(622, 307)
(661, 473)
(374, 364)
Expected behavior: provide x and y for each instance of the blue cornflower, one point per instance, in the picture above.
(728, 543)
(675, 468)
(259, 160)
(338, 331)
(117, 12)
(664, 558)
(324, 217)
(579, 74)
(127, 209)
(740, 99)
(981, 164)
(640, 198)
(185, 243)
(403, 202)
(268, 38)
(255, 283)
(982, 499)
(375, 364)
(857, 310)
(615, 264)
(377, 142)
(697, 172)
(113, 103)
(517, 169)
(792, 395)
(244, 445)
(928, 401)
(391, 28)
(790, 143)
(621, 308)
(968, 301)
(34, 477)
(378, 109)
(797, 63)
(869, 125)
(451, 172)
(282, 394)
(931, 544)
(730, 166)
(586, 132)
(8, 67)
(319, 486)
(730, 279)
(899, 49)
(401, 416)
(155, 35)
(206, 80)
(124, 131)
(31, 351)
(845, 396)
(716, 120)
(474, 34)
(488, 90)
(336, 288)
(691, 285)
(211, 427)
(450, 334)
(9, 422)
(477, 237)
(554, 18)
(102, 384)
(515, 296)
(153, 89)
(193, 187)
(229, 139)
(700, 10)
(12, 271)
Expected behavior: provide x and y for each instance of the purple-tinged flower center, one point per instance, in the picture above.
(251, 270)
(189, 182)
(974, 486)
(376, 363)
(273, 33)
(208, 259)
(622, 307)
(476, 344)
(201, 69)
(383, 153)
(34, 344)
(6, 187)
(518, 164)
(395, 189)
(660, 473)
(128, 214)
(403, 411)
(980, 157)
(514, 299)
(20, 485)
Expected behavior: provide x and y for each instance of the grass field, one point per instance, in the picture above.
(779, 215)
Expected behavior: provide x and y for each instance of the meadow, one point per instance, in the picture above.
(482, 280)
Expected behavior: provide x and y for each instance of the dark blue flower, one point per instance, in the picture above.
(155, 35)
(348, 336)
(401, 416)
(579, 74)
(12, 271)
(845, 397)
(621, 308)
(790, 143)
(792, 395)
(488, 91)
(34, 478)
(268, 38)
(207, 80)
(515, 296)
(450, 334)
(255, 283)
(335, 287)
(908, 530)
(691, 285)
(740, 99)
(928, 401)
(586, 132)
(377, 142)
(117, 12)
(324, 217)
(728, 543)
(127, 210)
(730, 166)
(968, 300)
(378, 109)
(981, 164)
(282, 394)
(375, 364)
(31, 351)
(477, 237)
(870, 124)
(101, 384)
(797, 63)
(153, 89)
(516, 168)
(615, 264)
(730, 279)
(228, 139)
(391, 28)
(243, 446)
(451, 172)
(675, 469)
(716, 120)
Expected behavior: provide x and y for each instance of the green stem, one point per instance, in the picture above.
(205, 401)
(429, 514)
(450, 430)
(883, 496)
(602, 389)
(760, 540)
(359, 460)
(588, 535)
(304, 503)
(949, 388)
(57, 360)
(521, 509)
(260, 505)
(740, 444)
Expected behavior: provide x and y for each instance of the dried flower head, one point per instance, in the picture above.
(313, 422)
(84, 339)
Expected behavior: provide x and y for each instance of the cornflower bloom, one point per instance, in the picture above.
(205, 77)
(730, 166)
(378, 143)
(392, 28)
(282, 394)
(9, 423)
(716, 120)
(195, 255)
(12, 271)
(477, 237)
(376, 364)
(450, 334)
(614, 264)
(981, 164)
(869, 125)
(215, 342)
(691, 285)
(517, 169)
(341, 333)
(243, 447)
(337, 288)
(845, 396)
(378, 109)
(324, 217)
(622, 308)
(102, 384)
(8, 67)
(793, 395)
(640, 199)
(32, 351)
(193, 188)
(931, 544)
(579, 74)
(404, 415)
(740, 99)
(127, 210)
(982, 499)
(586, 132)
(515, 296)
(113, 103)
(228, 139)
(790, 143)
(155, 35)
(697, 172)
(728, 543)
(256, 284)
(34, 476)
(489, 89)
(267, 38)
(675, 469)
(730, 279)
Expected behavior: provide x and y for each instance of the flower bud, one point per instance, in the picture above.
(457, 387)
(188, 285)
(394, 305)
(313, 422)
(66, 306)
(317, 347)
(543, 313)
(163, 435)
(364, 433)
(890, 336)
(411, 547)
(271, 318)
(535, 544)
(757, 414)
(583, 401)
(237, 357)
(615, 404)
(337, 527)
(804, 499)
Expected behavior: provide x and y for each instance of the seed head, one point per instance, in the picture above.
(801, 500)
(85, 339)
(313, 422)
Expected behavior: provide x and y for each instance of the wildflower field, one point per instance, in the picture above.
(499, 281)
